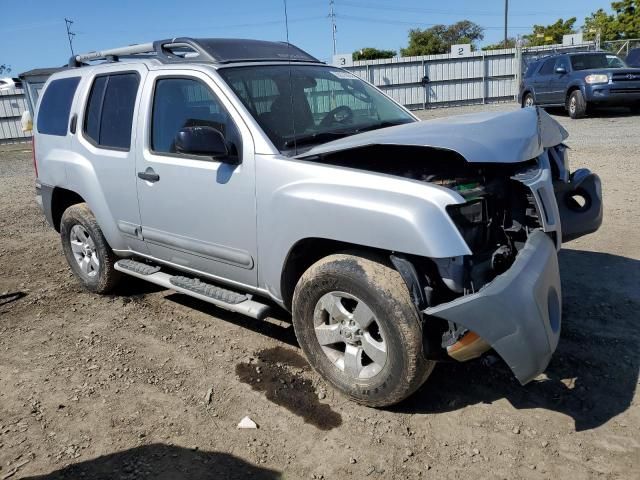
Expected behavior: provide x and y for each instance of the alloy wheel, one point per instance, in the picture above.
(349, 335)
(84, 250)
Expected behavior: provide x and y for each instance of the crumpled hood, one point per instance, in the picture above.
(486, 137)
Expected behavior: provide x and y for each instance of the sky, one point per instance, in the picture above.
(33, 34)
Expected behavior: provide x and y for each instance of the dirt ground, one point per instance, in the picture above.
(151, 384)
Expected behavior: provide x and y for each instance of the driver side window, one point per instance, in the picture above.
(185, 102)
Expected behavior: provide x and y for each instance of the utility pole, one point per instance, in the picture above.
(334, 29)
(70, 34)
(506, 15)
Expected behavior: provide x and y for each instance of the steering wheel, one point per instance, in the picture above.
(341, 114)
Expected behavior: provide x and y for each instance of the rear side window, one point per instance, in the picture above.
(530, 69)
(109, 113)
(547, 67)
(53, 115)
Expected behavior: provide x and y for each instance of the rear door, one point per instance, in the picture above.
(196, 211)
(105, 137)
(543, 81)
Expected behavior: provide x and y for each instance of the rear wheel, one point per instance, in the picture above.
(577, 105)
(87, 251)
(358, 327)
(528, 100)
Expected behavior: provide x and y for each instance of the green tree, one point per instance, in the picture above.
(548, 34)
(623, 23)
(439, 38)
(511, 43)
(4, 68)
(369, 53)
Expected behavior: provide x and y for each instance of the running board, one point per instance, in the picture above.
(194, 287)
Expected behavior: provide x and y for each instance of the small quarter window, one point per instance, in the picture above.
(109, 114)
(53, 115)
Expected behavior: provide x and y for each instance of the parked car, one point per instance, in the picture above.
(9, 83)
(577, 81)
(633, 58)
(248, 173)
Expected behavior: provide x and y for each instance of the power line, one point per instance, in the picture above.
(396, 8)
(70, 34)
(411, 23)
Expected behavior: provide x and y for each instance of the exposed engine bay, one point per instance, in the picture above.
(495, 221)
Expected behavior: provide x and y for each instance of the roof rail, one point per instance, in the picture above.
(210, 50)
(111, 54)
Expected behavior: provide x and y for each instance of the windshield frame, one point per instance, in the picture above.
(287, 146)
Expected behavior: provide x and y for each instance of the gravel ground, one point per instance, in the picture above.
(151, 384)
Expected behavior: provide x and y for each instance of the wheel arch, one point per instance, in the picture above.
(418, 273)
(570, 90)
(61, 199)
(308, 251)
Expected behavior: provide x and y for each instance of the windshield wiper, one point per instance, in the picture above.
(315, 138)
(320, 137)
(376, 126)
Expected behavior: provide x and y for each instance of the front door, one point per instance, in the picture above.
(560, 81)
(196, 211)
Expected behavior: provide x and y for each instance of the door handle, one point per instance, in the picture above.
(149, 175)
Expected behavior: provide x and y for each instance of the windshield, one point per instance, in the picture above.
(600, 60)
(301, 105)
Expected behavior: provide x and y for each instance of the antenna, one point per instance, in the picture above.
(293, 118)
(70, 34)
(334, 28)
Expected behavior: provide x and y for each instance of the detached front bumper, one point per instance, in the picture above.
(519, 312)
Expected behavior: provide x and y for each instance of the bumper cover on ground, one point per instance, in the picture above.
(519, 312)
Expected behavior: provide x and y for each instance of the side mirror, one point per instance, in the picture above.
(561, 70)
(203, 140)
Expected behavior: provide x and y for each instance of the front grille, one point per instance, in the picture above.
(626, 77)
(625, 90)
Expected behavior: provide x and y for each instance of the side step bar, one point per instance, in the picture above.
(221, 297)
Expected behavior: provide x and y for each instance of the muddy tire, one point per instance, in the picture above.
(87, 251)
(358, 327)
(577, 105)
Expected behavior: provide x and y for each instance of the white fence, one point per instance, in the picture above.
(12, 104)
(446, 80)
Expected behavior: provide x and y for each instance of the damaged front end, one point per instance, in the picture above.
(507, 293)
(517, 203)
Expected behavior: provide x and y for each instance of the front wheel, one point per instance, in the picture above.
(528, 100)
(357, 326)
(577, 105)
(87, 251)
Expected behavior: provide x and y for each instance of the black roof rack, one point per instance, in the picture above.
(208, 50)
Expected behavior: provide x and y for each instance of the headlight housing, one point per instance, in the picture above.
(596, 78)
(471, 219)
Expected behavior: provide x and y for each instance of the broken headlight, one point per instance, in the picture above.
(472, 220)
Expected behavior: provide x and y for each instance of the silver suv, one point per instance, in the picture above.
(247, 174)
